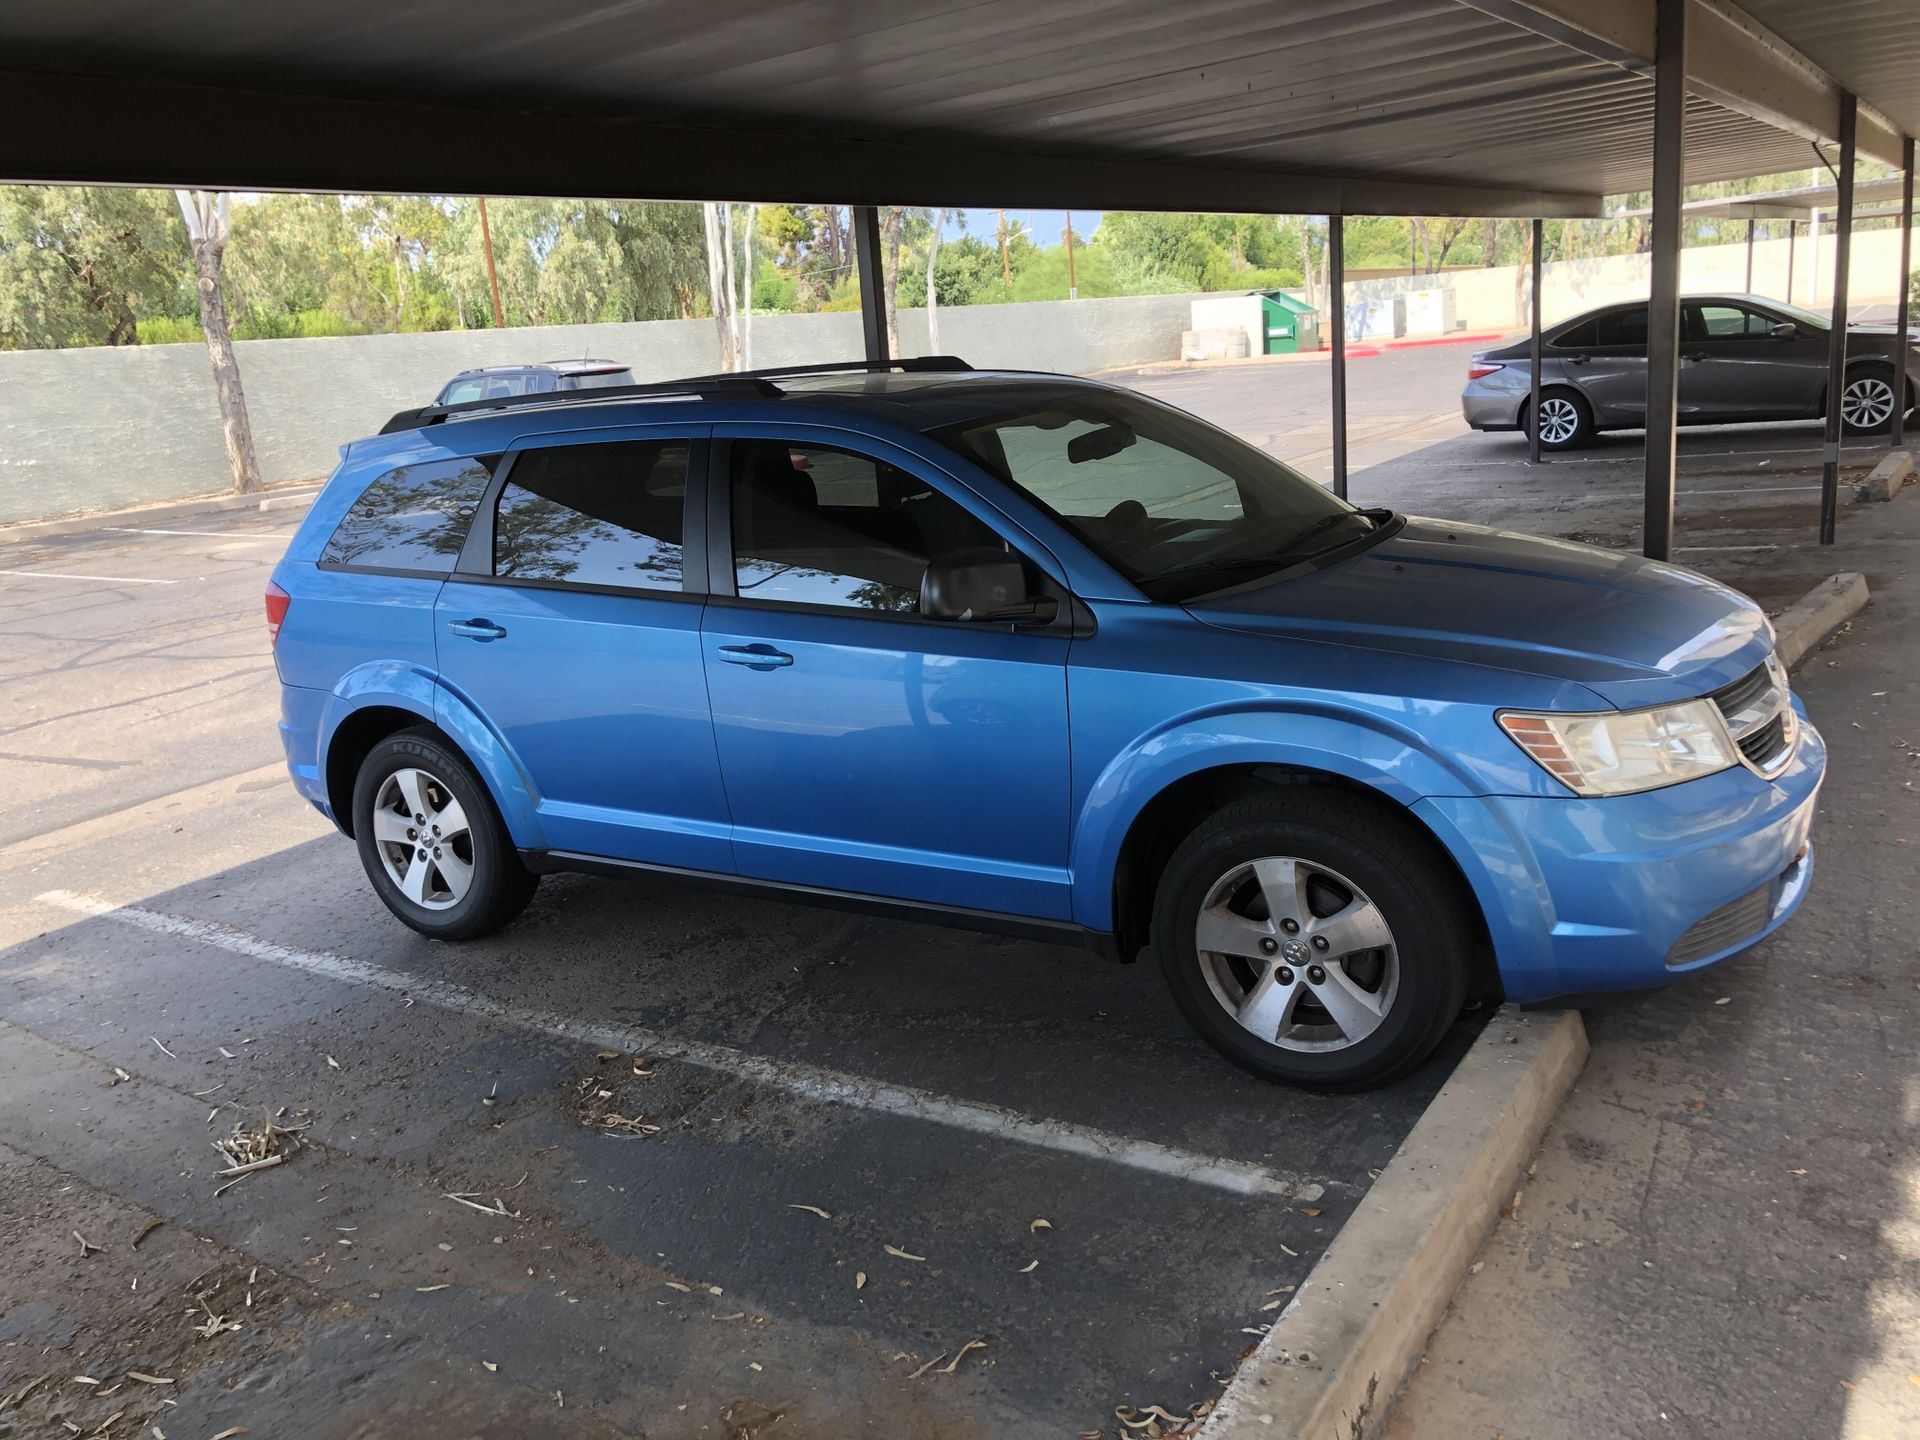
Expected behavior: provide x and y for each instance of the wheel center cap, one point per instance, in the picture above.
(1294, 952)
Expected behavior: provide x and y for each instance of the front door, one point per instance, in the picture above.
(865, 748)
(1736, 368)
(572, 625)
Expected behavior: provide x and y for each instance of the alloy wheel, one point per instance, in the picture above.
(1297, 954)
(1867, 402)
(423, 838)
(1559, 420)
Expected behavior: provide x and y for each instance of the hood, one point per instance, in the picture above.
(1635, 631)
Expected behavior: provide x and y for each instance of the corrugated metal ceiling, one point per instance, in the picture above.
(1420, 90)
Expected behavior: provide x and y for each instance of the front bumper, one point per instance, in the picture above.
(1592, 895)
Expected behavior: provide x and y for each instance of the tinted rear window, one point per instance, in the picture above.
(412, 518)
(606, 514)
(1623, 327)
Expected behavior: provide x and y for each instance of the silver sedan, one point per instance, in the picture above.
(1741, 358)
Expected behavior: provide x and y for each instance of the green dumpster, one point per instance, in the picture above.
(1290, 325)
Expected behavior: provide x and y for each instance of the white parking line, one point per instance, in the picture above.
(808, 1081)
(95, 579)
(203, 534)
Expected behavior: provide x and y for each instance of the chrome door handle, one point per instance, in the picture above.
(478, 629)
(757, 656)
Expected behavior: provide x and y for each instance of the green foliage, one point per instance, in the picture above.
(775, 292)
(169, 330)
(1098, 273)
(966, 272)
(86, 266)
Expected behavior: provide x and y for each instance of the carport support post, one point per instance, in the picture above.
(1337, 308)
(1793, 229)
(1899, 432)
(873, 293)
(1837, 336)
(1751, 222)
(1533, 351)
(1663, 310)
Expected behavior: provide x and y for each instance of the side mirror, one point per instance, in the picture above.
(1785, 330)
(981, 584)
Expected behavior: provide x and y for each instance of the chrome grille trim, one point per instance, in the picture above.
(1758, 710)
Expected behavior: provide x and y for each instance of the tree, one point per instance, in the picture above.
(933, 291)
(209, 220)
(85, 266)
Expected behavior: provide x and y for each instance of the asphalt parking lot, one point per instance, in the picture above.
(750, 1168)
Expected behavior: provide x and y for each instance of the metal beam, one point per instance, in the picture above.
(1837, 336)
(1663, 309)
(872, 272)
(1533, 349)
(1750, 225)
(1901, 323)
(1337, 306)
(1733, 61)
(1793, 229)
(231, 139)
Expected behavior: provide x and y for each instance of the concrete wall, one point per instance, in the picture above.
(1495, 299)
(95, 428)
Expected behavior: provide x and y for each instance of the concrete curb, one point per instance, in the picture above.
(278, 498)
(1886, 480)
(1330, 1366)
(1820, 612)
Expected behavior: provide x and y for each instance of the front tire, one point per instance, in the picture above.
(1566, 420)
(1312, 936)
(1867, 401)
(431, 841)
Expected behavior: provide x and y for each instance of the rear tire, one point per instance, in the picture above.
(432, 842)
(1566, 419)
(1340, 944)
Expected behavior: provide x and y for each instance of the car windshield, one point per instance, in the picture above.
(1176, 505)
(1813, 319)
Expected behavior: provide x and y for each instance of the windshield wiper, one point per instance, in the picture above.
(1379, 515)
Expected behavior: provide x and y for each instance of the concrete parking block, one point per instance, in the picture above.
(1330, 1365)
(1887, 479)
(1822, 611)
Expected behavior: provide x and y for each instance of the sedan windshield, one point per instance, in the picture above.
(1177, 506)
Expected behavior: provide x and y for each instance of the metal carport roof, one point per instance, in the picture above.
(1385, 106)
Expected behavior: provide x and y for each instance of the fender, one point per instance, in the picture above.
(397, 685)
(1398, 764)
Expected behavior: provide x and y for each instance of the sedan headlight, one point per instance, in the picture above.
(1621, 752)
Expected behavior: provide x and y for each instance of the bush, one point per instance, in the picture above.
(169, 330)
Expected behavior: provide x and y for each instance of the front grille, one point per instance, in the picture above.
(1759, 715)
(1724, 928)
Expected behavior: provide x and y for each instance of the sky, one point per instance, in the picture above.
(1045, 226)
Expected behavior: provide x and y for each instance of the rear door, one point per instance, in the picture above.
(1612, 371)
(1734, 368)
(572, 625)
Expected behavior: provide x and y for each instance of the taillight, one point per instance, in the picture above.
(277, 602)
(1478, 368)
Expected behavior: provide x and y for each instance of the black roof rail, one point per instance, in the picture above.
(911, 364)
(710, 387)
(740, 385)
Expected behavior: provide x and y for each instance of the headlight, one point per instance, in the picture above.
(1620, 752)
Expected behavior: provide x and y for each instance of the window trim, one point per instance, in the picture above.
(724, 581)
(489, 462)
(475, 563)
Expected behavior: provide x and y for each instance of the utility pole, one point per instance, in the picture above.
(493, 277)
(1006, 260)
(1073, 288)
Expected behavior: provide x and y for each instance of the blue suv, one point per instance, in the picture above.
(1028, 652)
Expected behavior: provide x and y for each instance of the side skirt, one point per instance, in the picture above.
(996, 922)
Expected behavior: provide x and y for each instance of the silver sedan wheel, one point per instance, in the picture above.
(1867, 403)
(1297, 954)
(1559, 420)
(423, 839)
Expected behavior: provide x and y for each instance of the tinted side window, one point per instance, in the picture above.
(412, 518)
(1720, 322)
(815, 526)
(594, 515)
(461, 391)
(1578, 337)
(1623, 327)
